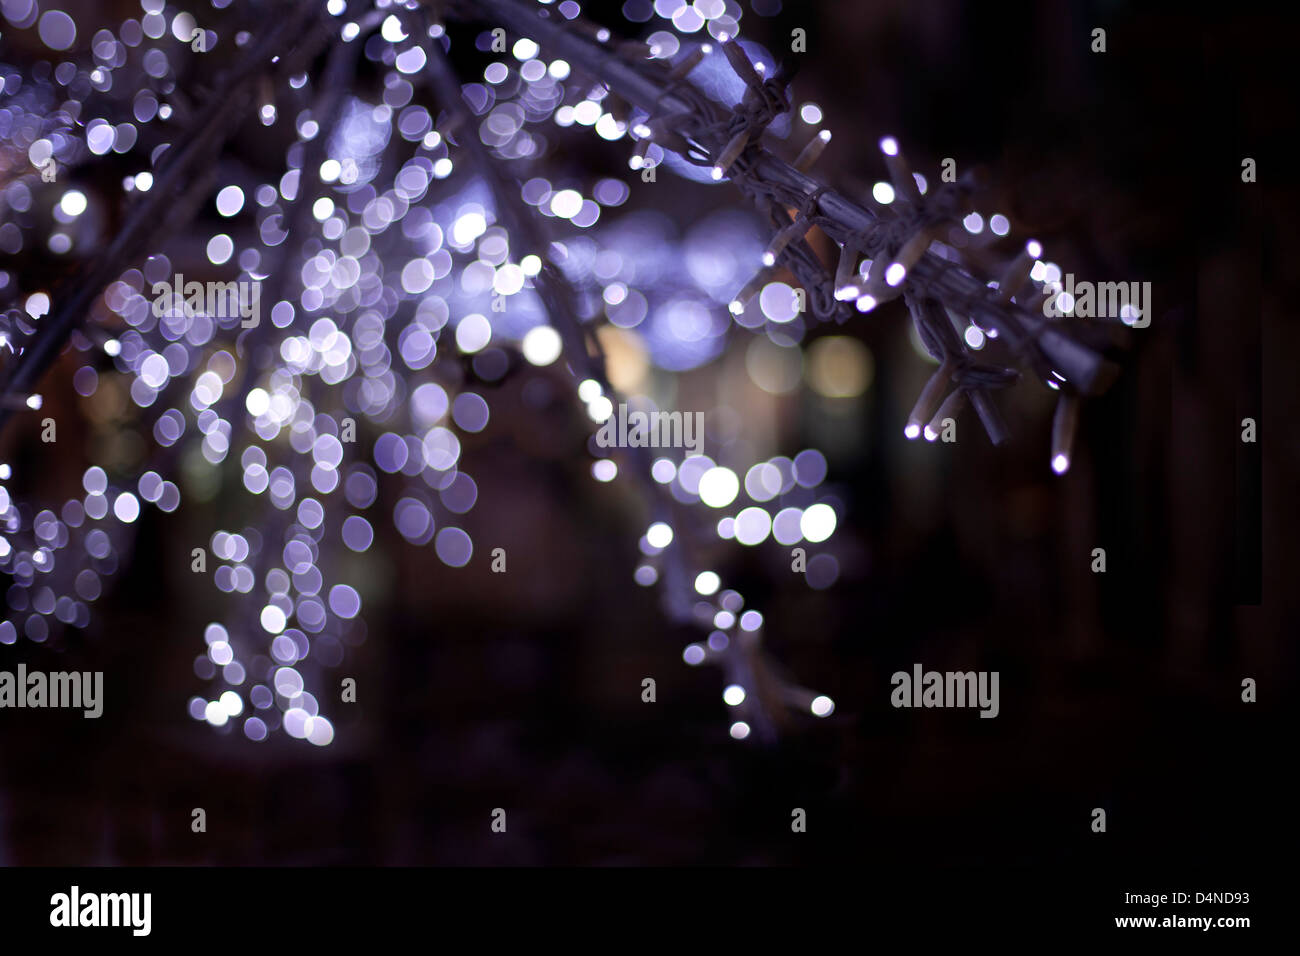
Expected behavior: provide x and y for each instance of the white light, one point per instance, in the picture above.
(566, 203)
(258, 402)
(1061, 464)
(126, 508)
(609, 127)
(473, 333)
(719, 487)
(541, 345)
(37, 305)
(73, 202)
(822, 706)
(889, 146)
(895, 273)
(817, 523)
(866, 303)
(215, 714)
(707, 582)
(220, 248)
(586, 113)
(154, 373)
(392, 30)
(912, 431)
(230, 200)
(1034, 248)
(273, 619)
(974, 223)
(734, 695)
(659, 534)
(753, 526)
(883, 193)
(663, 470)
(411, 60)
(468, 228)
(231, 703)
(320, 731)
(740, 730)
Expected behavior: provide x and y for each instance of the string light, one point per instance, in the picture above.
(354, 271)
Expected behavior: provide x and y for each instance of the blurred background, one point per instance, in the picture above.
(523, 691)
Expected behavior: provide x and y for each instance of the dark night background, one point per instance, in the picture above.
(522, 691)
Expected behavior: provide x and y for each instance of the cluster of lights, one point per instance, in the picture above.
(293, 443)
